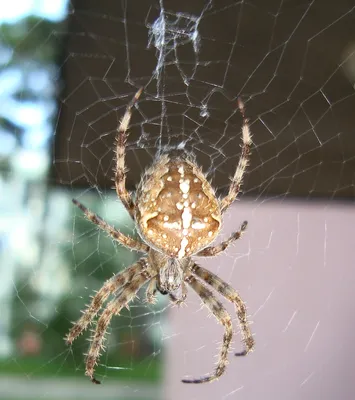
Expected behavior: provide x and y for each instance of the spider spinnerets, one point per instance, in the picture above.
(177, 215)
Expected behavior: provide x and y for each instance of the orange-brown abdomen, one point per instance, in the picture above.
(177, 211)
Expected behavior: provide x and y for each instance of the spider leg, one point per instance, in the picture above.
(120, 172)
(232, 295)
(237, 179)
(223, 318)
(114, 233)
(110, 286)
(151, 293)
(113, 308)
(214, 250)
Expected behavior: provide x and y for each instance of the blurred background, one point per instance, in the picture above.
(67, 71)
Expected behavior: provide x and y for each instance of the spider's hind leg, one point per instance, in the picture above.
(212, 251)
(127, 241)
(237, 179)
(120, 171)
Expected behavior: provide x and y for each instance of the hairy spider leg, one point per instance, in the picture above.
(237, 179)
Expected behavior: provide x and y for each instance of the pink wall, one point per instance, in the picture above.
(295, 269)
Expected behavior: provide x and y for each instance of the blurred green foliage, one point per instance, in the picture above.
(33, 38)
(36, 44)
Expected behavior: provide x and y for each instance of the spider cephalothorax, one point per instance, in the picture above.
(177, 215)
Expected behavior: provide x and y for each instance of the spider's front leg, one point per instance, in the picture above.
(120, 172)
(222, 316)
(101, 296)
(113, 308)
(232, 295)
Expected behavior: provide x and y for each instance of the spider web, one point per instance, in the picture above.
(293, 64)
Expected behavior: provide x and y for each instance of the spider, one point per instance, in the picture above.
(177, 215)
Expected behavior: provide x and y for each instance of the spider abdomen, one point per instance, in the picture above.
(177, 211)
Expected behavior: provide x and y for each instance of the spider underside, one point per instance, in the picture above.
(177, 215)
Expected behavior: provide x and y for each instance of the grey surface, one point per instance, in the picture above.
(295, 270)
